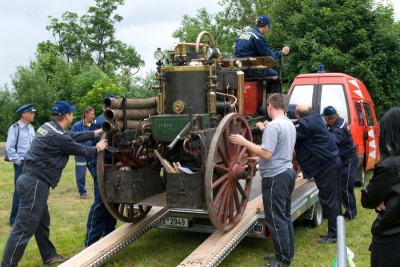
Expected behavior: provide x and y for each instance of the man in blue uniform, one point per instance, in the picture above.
(44, 162)
(100, 222)
(318, 157)
(348, 155)
(19, 140)
(81, 163)
(253, 44)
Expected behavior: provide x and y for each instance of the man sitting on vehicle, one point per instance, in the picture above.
(252, 43)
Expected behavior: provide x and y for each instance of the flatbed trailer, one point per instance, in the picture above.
(305, 205)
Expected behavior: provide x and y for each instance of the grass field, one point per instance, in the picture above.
(167, 247)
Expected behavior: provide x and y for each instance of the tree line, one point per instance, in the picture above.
(84, 61)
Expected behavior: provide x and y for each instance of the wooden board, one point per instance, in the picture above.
(214, 244)
(93, 252)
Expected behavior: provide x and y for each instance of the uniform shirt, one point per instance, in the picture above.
(253, 44)
(343, 138)
(315, 147)
(279, 137)
(50, 150)
(81, 126)
(26, 134)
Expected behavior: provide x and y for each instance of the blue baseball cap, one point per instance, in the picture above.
(62, 107)
(111, 96)
(328, 111)
(262, 21)
(25, 108)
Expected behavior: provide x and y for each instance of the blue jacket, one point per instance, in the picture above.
(81, 126)
(315, 148)
(253, 44)
(343, 139)
(51, 148)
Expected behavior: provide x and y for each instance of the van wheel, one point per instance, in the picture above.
(317, 215)
(360, 176)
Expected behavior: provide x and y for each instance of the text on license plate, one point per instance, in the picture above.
(175, 221)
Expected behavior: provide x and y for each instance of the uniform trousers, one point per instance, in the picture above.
(328, 182)
(33, 218)
(15, 200)
(100, 221)
(349, 170)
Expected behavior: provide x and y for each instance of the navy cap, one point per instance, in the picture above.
(262, 21)
(328, 111)
(25, 108)
(62, 107)
(111, 96)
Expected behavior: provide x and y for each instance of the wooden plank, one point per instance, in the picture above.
(214, 244)
(96, 250)
(164, 162)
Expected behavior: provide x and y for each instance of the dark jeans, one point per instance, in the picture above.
(329, 183)
(15, 201)
(277, 195)
(81, 165)
(349, 169)
(33, 218)
(385, 254)
(100, 221)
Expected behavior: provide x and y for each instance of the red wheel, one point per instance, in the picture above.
(229, 173)
(129, 213)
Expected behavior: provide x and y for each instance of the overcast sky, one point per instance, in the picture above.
(146, 26)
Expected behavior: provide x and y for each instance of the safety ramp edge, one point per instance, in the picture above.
(218, 246)
(106, 247)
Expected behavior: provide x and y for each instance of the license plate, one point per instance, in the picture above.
(175, 221)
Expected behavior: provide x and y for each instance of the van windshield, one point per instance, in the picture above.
(333, 95)
(329, 95)
(302, 95)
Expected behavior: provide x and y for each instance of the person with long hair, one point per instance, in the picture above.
(383, 194)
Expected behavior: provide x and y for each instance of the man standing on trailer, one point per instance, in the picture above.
(278, 177)
(348, 155)
(318, 157)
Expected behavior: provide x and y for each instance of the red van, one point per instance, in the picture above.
(352, 101)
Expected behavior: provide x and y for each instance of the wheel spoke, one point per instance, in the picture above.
(237, 201)
(222, 207)
(223, 156)
(227, 144)
(241, 191)
(220, 169)
(219, 181)
(220, 193)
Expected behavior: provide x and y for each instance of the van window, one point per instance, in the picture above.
(368, 113)
(334, 95)
(302, 94)
(359, 114)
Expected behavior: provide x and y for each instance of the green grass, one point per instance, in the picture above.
(167, 247)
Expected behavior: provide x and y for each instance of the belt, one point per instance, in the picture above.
(37, 177)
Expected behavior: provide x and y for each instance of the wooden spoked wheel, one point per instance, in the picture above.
(229, 173)
(125, 212)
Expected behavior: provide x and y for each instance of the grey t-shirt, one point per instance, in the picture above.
(279, 137)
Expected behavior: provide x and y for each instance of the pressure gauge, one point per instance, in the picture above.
(159, 55)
